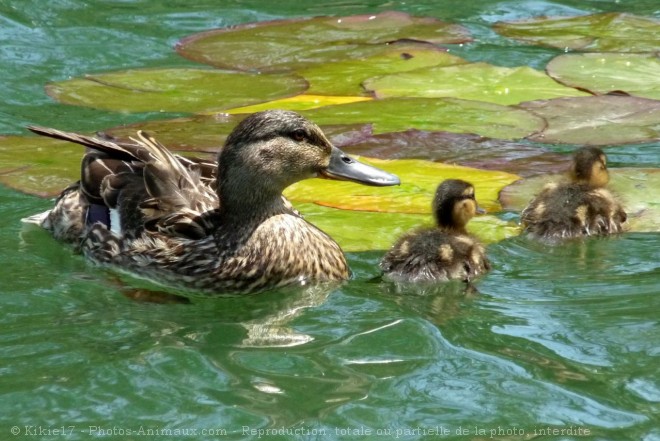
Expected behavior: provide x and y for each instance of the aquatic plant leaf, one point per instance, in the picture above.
(474, 81)
(602, 73)
(469, 150)
(298, 43)
(637, 188)
(301, 102)
(419, 180)
(364, 231)
(597, 120)
(607, 32)
(433, 114)
(37, 165)
(346, 77)
(174, 90)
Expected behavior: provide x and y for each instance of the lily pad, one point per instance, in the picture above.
(300, 102)
(364, 231)
(637, 188)
(298, 43)
(519, 158)
(175, 90)
(39, 166)
(419, 180)
(474, 81)
(346, 77)
(607, 32)
(602, 73)
(597, 120)
(433, 114)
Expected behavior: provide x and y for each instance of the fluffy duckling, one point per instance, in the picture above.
(444, 252)
(182, 223)
(581, 207)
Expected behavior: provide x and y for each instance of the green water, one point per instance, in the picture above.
(563, 338)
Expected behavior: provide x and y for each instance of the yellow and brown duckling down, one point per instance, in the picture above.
(581, 207)
(206, 227)
(443, 252)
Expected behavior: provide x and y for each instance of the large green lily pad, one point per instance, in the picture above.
(419, 180)
(298, 43)
(597, 120)
(608, 32)
(515, 157)
(300, 102)
(39, 166)
(637, 188)
(474, 81)
(363, 231)
(346, 77)
(174, 90)
(433, 114)
(601, 73)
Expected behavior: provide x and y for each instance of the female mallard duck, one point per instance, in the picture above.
(142, 209)
(581, 207)
(444, 252)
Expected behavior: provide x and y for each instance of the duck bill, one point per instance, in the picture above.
(344, 168)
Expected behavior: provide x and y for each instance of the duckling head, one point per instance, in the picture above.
(590, 167)
(454, 204)
(270, 150)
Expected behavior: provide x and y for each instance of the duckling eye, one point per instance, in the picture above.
(298, 135)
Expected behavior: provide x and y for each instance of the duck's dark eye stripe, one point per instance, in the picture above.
(298, 135)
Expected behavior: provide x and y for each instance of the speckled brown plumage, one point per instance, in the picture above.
(581, 207)
(444, 252)
(232, 232)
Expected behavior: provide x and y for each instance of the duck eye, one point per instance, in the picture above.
(298, 135)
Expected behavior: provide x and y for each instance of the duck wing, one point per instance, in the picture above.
(147, 185)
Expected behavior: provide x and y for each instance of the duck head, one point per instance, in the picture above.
(590, 167)
(270, 150)
(454, 204)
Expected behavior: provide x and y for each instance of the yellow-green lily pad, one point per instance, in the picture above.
(419, 180)
(474, 81)
(300, 102)
(607, 32)
(38, 166)
(346, 77)
(175, 90)
(297, 43)
(364, 231)
(597, 120)
(433, 114)
(637, 188)
(602, 73)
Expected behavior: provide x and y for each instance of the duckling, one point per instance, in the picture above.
(446, 251)
(213, 228)
(581, 207)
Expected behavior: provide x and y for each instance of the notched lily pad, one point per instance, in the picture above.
(602, 73)
(474, 81)
(455, 148)
(607, 32)
(637, 188)
(300, 102)
(419, 180)
(597, 120)
(433, 114)
(297, 43)
(175, 90)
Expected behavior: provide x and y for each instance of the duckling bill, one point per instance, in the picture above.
(210, 227)
(579, 208)
(443, 252)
